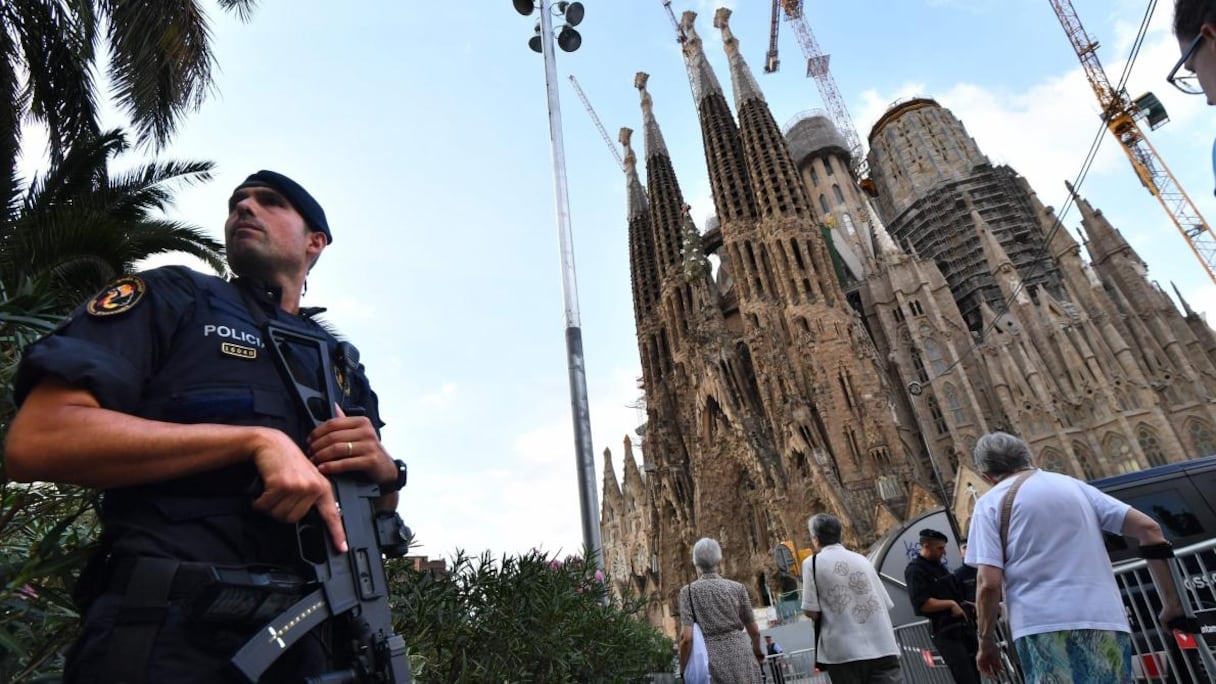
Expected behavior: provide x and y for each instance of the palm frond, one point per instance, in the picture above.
(242, 8)
(78, 174)
(10, 120)
(57, 54)
(160, 62)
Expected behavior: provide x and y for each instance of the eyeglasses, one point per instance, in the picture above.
(1187, 82)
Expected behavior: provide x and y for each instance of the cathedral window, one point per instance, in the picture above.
(1086, 460)
(935, 412)
(936, 361)
(1052, 460)
(847, 389)
(898, 313)
(823, 204)
(1151, 446)
(851, 438)
(1120, 455)
(827, 165)
(814, 175)
(915, 307)
(803, 325)
(1202, 439)
(800, 464)
(919, 367)
(837, 194)
(755, 268)
(956, 407)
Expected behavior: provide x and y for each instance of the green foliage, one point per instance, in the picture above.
(522, 619)
(47, 534)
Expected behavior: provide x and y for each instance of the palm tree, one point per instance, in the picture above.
(70, 231)
(78, 226)
(160, 68)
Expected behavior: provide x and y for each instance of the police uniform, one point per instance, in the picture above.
(954, 637)
(183, 347)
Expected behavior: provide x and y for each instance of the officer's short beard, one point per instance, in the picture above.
(251, 263)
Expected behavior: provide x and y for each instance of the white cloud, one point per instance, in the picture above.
(529, 499)
(710, 6)
(441, 398)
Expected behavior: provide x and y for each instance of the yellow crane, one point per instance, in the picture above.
(1122, 116)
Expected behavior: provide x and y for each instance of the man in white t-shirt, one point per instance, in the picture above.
(1065, 611)
(842, 593)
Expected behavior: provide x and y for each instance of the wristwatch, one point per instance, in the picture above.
(399, 483)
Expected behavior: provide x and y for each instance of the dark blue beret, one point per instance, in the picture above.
(929, 534)
(295, 193)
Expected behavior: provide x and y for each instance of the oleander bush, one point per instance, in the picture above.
(527, 618)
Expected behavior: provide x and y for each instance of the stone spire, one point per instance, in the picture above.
(774, 177)
(700, 73)
(1105, 241)
(638, 204)
(1185, 306)
(1007, 276)
(650, 127)
(733, 201)
(613, 500)
(666, 201)
(642, 261)
(745, 86)
(887, 249)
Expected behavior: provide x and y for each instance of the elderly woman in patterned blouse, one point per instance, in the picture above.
(724, 612)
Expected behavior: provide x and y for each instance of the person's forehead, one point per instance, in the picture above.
(247, 190)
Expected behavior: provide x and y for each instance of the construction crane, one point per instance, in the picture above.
(599, 126)
(771, 63)
(817, 68)
(675, 22)
(1122, 116)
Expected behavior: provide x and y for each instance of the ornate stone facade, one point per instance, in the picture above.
(826, 368)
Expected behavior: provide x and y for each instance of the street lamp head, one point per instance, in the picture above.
(573, 11)
(568, 39)
(524, 7)
(534, 43)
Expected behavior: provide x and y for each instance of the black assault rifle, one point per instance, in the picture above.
(350, 588)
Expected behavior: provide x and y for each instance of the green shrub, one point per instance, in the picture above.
(522, 619)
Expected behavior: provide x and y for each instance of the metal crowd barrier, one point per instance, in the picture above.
(1160, 655)
(920, 662)
(793, 667)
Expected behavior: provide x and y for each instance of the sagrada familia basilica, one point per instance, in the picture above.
(849, 350)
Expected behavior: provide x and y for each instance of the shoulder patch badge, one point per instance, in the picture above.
(119, 296)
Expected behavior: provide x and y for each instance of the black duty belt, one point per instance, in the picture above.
(216, 593)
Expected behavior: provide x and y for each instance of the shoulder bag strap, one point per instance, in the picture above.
(692, 604)
(1007, 512)
(819, 622)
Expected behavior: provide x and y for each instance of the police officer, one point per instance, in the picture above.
(936, 594)
(160, 391)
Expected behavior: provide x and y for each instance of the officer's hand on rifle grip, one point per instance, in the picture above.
(346, 444)
(292, 484)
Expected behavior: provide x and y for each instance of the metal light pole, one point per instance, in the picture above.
(915, 389)
(580, 409)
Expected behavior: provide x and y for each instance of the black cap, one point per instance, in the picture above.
(928, 534)
(295, 193)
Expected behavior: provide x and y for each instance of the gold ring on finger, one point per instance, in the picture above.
(350, 449)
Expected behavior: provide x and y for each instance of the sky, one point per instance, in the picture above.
(423, 133)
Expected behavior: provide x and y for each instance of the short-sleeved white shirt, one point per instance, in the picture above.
(855, 607)
(1058, 576)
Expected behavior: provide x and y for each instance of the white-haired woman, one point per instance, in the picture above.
(722, 609)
